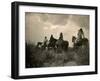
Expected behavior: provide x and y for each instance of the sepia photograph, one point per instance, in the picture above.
(50, 40)
(56, 40)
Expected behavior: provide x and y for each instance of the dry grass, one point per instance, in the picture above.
(36, 57)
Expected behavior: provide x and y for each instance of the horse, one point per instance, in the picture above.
(42, 45)
(55, 44)
(52, 43)
(78, 43)
(65, 45)
(62, 45)
(39, 44)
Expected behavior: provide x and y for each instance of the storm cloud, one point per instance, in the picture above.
(38, 25)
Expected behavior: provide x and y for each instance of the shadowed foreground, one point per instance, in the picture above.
(37, 57)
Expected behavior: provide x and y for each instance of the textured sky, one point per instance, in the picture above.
(39, 25)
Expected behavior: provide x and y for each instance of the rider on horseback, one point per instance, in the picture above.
(60, 41)
(45, 42)
(61, 36)
(80, 35)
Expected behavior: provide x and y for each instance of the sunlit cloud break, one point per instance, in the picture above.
(39, 25)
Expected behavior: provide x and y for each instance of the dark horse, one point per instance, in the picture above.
(83, 41)
(52, 42)
(62, 45)
(58, 44)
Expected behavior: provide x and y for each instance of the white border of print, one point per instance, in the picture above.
(54, 70)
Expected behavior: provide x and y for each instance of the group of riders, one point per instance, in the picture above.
(61, 43)
(52, 40)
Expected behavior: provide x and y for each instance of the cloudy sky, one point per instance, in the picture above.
(39, 25)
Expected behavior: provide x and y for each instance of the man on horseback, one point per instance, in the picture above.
(80, 38)
(80, 34)
(61, 36)
(60, 42)
(52, 42)
(45, 43)
(62, 45)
